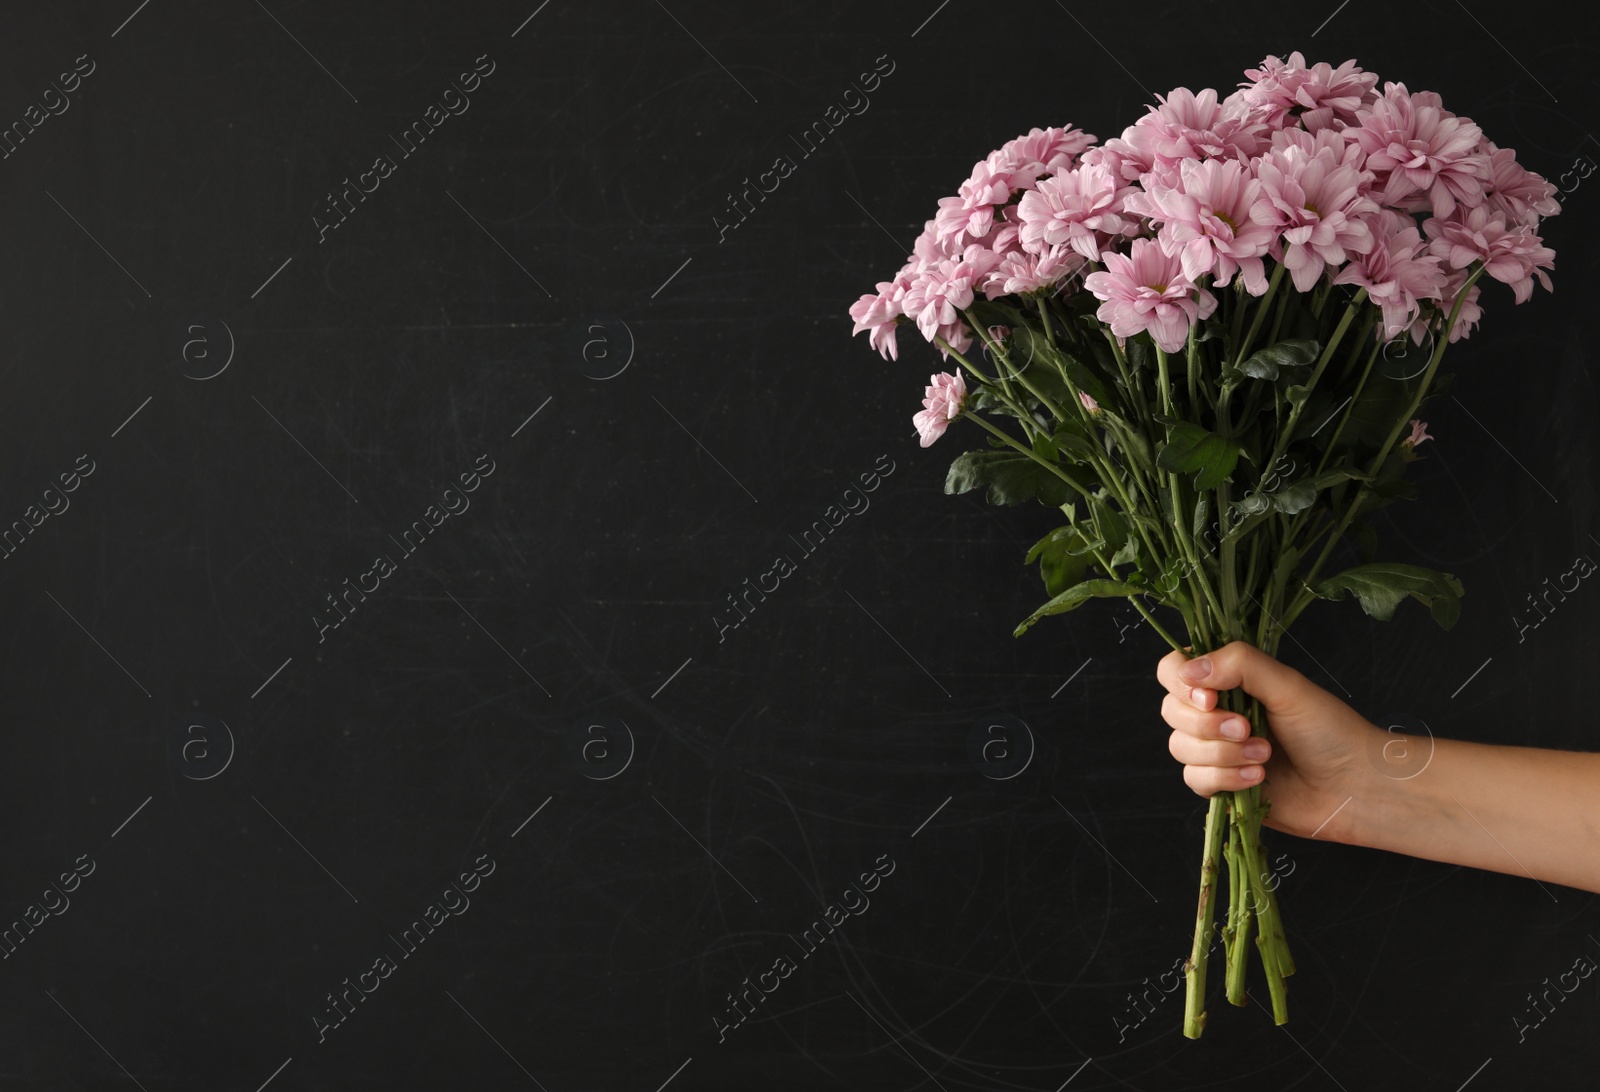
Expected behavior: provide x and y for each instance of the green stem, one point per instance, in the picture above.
(1147, 488)
(1277, 319)
(1029, 425)
(1057, 471)
(1109, 419)
(1319, 296)
(1306, 595)
(1004, 362)
(1261, 313)
(1350, 407)
(1148, 617)
(1239, 308)
(1105, 475)
(1240, 916)
(1367, 324)
(1029, 452)
(1192, 365)
(1113, 481)
(1181, 526)
(1194, 998)
(1287, 431)
(1135, 391)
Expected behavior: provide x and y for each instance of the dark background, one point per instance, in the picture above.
(561, 228)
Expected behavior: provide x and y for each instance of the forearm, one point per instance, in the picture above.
(1524, 811)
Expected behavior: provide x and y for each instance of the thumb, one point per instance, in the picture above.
(1279, 687)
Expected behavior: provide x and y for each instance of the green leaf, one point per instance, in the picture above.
(1012, 478)
(1293, 353)
(1389, 485)
(986, 399)
(1192, 448)
(1076, 596)
(1302, 494)
(1141, 353)
(1109, 523)
(1295, 498)
(1169, 582)
(1134, 444)
(1380, 587)
(1082, 375)
(1074, 446)
(1250, 504)
(1382, 401)
(1242, 526)
(1063, 558)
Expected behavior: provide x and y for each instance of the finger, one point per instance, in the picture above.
(1238, 663)
(1217, 752)
(1169, 674)
(1210, 780)
(1202, 724)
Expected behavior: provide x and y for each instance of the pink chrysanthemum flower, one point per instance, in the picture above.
(1511, 255)
(1041, 152)
(1080, 208)
(1338, 143)
(1320, 95)
(941, 404)
(1467, 320)
(1002, 175)
(1316, 203)
(1021, 272)
(1524, 197)
(1088, 402)
(928, 251)
(1419, 433)
(1207, 222)
(957, 335)
(938, 293)
(1004, 236)
(1146, 290)
(880, 313)
(1398, 272)
(1420, 154)
(1185, 126)
(936, 296)
(971, 211)
(1123, 165)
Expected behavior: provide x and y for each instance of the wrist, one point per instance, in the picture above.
(1386, 797)
(1399, 795)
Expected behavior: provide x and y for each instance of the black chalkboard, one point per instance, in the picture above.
(476, 619)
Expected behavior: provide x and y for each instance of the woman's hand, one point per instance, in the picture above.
(1524, 811)
(1320, 749)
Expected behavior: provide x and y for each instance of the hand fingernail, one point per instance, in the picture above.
(1235, 729)
(1255, 750)
(1250, 773)
(1195, 670)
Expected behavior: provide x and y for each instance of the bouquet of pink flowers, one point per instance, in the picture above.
(1207, 342)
